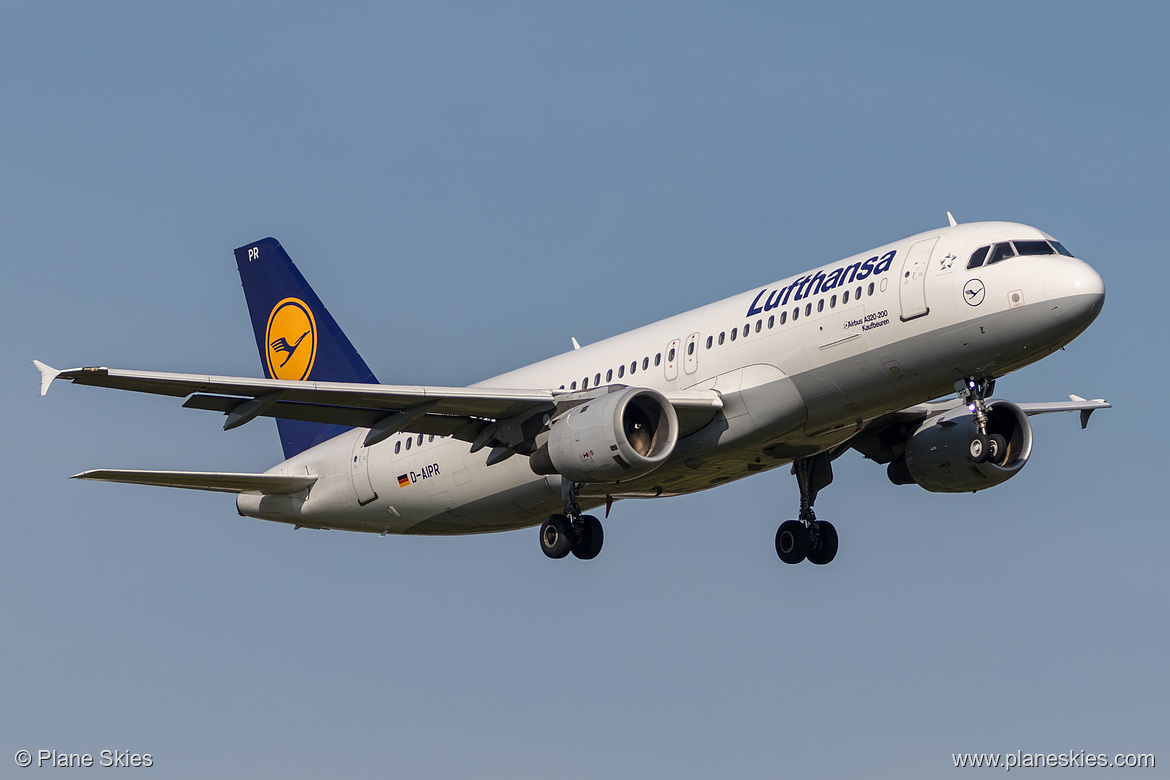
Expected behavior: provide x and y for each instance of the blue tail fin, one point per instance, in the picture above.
(297, 337)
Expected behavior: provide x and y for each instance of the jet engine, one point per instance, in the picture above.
(945, 454)
(620, 436)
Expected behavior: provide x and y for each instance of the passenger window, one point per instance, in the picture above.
(609, 375)
(747, 329)
(573, 385)
(420, 437)
(796, 314)
(585, 383)
(771, 321)
(633, 367)
(721, 335)
(1001, 252)
(408, 441)
(783, 317)
(857, 295)
(1033, 248)
(397, 446)
(597, 379)
(833, 301)
(1059, 247)
(431, 438)
(658, 358)
(669, 357)
(645, 363)
(691, 348)
(977, 257)
(621, 370)
(821, 305)
(710, 339)
(807, 309)
(733, 332)
(870, 292)
(759, 324)
(845, 298)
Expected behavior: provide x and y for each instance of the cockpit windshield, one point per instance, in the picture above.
(997, 253)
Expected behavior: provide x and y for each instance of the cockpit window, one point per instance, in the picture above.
(1001, 252)
(977, 257)
(1029, 248)
(1009, 249)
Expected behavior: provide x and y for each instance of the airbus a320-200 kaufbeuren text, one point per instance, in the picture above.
(893, 352)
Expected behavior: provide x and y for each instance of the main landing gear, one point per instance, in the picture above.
(982, 447)
(808, 537)
(572, 532)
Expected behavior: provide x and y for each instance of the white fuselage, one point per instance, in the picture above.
(801, 365)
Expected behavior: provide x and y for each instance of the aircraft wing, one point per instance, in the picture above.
(220, 482)
(1074, 404)
(870, 441)
(923, 410)
(462, 412)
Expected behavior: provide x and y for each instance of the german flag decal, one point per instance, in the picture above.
(403, 481)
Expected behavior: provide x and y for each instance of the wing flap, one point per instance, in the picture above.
(217, 481)
(354, 417)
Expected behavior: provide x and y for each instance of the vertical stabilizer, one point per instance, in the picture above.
(296, 335)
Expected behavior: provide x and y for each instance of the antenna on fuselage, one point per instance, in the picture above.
(575, 344)
(951, 219)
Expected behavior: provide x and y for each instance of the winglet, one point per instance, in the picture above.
(1086, 413)
(48, 374)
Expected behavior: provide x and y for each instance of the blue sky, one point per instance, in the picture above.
(467, 187)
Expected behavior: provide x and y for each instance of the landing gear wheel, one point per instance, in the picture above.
(556, 536)
(978, 448)
(792, 541)
(822, 546)
(589, 542)
(996, 448)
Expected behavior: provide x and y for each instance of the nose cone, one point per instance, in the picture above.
(1075, 291)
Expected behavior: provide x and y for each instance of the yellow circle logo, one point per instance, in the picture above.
(291, 340)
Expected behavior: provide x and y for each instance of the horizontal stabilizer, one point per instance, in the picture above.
(221, 482)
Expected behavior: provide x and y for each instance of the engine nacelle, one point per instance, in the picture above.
(620, 436)
(938, 456)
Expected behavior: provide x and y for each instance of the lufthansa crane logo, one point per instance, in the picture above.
(291, 340)
(974, 292)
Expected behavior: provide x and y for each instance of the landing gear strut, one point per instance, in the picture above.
(808, 537)
(974, 393)
(572, 532)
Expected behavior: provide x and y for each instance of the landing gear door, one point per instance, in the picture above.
(360, 473)
(912, 283)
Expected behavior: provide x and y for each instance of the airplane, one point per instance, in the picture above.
(893, 352)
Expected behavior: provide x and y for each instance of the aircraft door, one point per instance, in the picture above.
(672, 359)
(360, 473)
(912, 284)
(691, 354)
